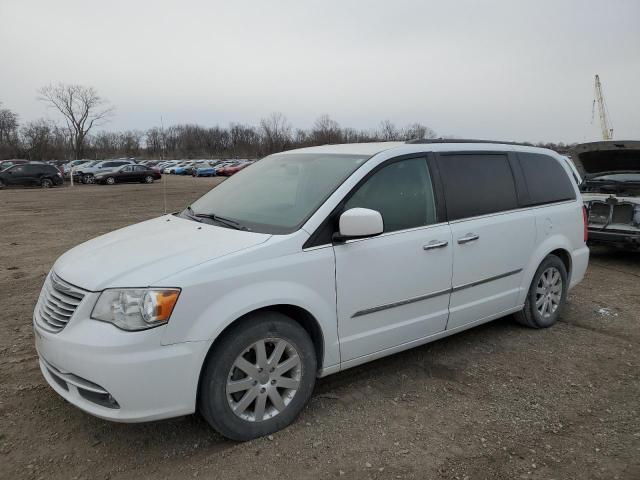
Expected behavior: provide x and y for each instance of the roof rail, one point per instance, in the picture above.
(465, 140)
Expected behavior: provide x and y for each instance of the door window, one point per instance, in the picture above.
(403, 194)
(477, 184)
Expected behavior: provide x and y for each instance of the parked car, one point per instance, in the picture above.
(67, 167)
(206, 170)
(232, 169)
(173, 167)
(31, 174)
(310, 262)
(213, 169)
(189, 169)
(8, 163)
(128, 174)
(611, 191)
(87, 173)
(183, 168)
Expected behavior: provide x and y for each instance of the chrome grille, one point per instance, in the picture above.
(59, 301)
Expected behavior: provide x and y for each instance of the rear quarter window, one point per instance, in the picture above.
(477, 184)
(547, 181)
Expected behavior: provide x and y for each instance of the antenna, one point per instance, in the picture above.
(164, 179)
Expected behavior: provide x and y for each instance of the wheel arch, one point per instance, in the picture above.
(565, 256)
(558, 246)
(298, 314)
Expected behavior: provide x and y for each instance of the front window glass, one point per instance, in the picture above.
(280, 192)
(403, 194)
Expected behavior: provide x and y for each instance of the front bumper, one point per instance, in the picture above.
(117, 375)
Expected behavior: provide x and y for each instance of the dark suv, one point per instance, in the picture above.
(31, 174)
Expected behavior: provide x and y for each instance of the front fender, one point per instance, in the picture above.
(220, 294)
(227, 309)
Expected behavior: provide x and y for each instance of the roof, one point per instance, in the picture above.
(350, 148)
(371, 149)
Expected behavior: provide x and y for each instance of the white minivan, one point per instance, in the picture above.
(306, 263)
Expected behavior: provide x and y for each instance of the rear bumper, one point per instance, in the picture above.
(579, 264)
(627, 240)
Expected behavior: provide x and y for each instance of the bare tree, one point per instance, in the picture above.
(8, 133)
(388, 131)
(276, 132)
(82, 108)
(326, 131)
(417, 131)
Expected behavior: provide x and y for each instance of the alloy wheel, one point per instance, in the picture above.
(264, 379)
(549, 292)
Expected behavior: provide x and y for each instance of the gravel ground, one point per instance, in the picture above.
(497, 402)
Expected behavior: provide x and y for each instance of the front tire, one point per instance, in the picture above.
(46, 183)
(547, 295)
(258, 377)
(110, 180)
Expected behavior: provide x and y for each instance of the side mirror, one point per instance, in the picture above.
(359, 223)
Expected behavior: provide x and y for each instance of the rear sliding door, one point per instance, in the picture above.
(493, 238)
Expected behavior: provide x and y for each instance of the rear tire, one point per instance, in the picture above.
(2, 184)
(277, 387)
(547, 295)
(148, 179)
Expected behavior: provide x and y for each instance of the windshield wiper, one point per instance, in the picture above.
(227, 222)
(193, 215)
(224, 221)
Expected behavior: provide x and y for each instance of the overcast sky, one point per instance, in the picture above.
(517, 70)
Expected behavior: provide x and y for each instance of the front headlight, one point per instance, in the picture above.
(136, 308)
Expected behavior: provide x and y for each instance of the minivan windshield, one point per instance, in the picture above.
(278, 193)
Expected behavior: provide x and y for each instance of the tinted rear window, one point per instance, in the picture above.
(547, 181)
(477, 184)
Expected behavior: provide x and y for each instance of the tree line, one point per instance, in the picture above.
(82, 110)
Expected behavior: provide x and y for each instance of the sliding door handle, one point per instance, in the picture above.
(435, 244)
(469, 237)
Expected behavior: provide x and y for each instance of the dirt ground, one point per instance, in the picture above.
(497, 402)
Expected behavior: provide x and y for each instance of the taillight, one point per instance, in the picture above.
(586, 223)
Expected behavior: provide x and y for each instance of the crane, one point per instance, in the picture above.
(607, 129)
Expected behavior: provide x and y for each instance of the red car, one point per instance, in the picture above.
(230, 170)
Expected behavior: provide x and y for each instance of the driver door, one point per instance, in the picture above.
(394, 289)
(126, 174)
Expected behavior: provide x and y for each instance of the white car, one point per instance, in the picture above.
(307, 263)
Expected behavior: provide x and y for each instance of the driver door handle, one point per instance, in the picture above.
(435, 244)
(469, 237)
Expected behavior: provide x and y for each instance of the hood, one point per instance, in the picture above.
(610, 156)
(142, 254)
